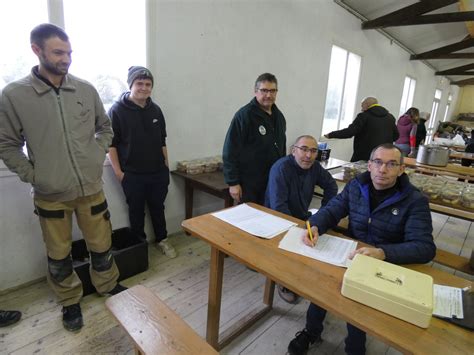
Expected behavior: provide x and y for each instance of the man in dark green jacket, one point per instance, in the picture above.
(255, 140)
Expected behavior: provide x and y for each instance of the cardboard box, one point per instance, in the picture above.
(130, 254)
(398, 291)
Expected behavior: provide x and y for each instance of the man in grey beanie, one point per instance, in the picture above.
(139, 156)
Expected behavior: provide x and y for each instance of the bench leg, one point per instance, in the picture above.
(215, 295)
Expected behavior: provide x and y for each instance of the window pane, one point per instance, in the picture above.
(438, 94)
(107, 37)
(335, 89)
(446, 113)
(411, 94)
(350, 90)
(407, 95)
(17, 57)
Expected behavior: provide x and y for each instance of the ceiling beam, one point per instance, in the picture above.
(410, 13)
(440, 53)
(462, 70)
(463, 82)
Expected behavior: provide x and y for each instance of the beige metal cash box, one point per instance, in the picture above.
(398, 291)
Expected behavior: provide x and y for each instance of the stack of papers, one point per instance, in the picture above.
(447, 302)
(253, 221)
(329, 249)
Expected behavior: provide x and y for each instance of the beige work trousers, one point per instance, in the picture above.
(97, 233)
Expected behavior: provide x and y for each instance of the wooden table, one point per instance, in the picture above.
(435, 206)
(212, 183)
(333, 163)
(448, 170)
(460, 155)
(321, 284)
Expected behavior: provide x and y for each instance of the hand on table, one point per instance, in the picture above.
(369, 251)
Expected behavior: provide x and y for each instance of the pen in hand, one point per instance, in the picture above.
(308, 226)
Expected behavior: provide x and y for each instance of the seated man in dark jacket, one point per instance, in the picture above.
(291, 185)
(386, 211)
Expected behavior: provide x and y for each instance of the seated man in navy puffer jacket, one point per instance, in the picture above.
(386, 211)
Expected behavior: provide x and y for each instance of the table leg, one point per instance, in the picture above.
(188, 199)
(269, 292)
(215, 295)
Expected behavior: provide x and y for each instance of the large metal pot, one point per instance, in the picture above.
(432, 155)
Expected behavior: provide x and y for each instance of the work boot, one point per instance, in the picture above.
(9, 317)
(72, 317)
(287, 295)
(302, 341)
(167, 248)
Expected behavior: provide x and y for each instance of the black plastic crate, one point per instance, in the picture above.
(130, 254)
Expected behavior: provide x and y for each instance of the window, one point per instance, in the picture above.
(407, 95)
(341, 94)
(17, 57)
(106, 39)
(434, 111)
(448, 104)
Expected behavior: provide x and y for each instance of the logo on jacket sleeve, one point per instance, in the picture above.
(155, 120)
(262, 130)
(395, 211)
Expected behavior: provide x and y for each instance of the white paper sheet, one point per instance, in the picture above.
(330, 249)
(447, 302)
(253, 221)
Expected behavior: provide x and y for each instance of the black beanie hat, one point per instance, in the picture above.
(136, 72)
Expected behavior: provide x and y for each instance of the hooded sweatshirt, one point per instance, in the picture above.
(139, 135)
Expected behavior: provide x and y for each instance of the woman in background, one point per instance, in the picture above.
(407, 125)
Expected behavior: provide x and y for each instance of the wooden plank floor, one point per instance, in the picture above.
(183, 284)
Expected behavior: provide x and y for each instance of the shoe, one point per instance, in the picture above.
(117, 289)
(287, 295)
(72, 317)
(300, 344)
(9, 317)
(167, 248)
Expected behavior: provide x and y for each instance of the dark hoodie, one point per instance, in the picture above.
(370, 128)
(139, 135)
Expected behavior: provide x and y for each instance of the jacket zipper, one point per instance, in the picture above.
(68, 146)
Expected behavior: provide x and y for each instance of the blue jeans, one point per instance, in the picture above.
(405, 148)
(355, 340)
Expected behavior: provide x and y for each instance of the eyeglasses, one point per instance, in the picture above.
(306, 149)
(390, 165)
(268, 91)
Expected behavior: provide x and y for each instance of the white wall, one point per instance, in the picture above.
(205, 56)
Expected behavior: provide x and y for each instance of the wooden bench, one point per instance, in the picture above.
(153, 326)
(456, 262)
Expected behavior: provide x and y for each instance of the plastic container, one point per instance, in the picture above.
(398, 291)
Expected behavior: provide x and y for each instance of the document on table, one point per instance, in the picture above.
(447, 302)
(329, 249)
(253, 221)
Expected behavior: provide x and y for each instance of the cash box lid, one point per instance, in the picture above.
(394, 283)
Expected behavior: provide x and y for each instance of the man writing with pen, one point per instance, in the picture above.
(385, 211)
(291, 185)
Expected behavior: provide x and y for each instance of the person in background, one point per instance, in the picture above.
(385, 211)
(407, 126)
(139, 156)
(421, 130)
(67, 133)
(9, 317)
(255, 139)
(291, 186)
(372, 127)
